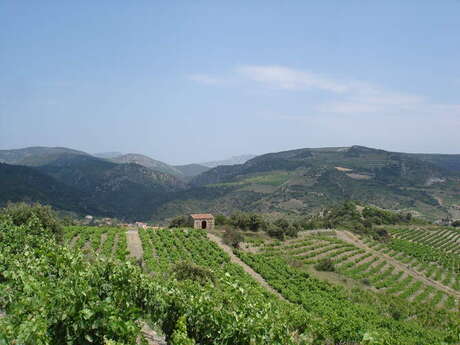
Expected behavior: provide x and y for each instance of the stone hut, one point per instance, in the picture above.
(203, 221)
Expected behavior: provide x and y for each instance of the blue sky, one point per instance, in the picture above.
(190, 81)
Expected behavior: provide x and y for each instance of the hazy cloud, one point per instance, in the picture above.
(288, 78)
(346, 96)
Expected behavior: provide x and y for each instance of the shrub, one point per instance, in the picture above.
(366, 281)
(179, 336)
(275, 231)
(22, 213)
(186, 270)
(381, 235)
(326, 265)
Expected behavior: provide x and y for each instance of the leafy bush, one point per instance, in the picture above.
(275, 231)
(179, 336)
(325, 265)
(186, 270)
(43, 217)
(381, 235)
(232, 237)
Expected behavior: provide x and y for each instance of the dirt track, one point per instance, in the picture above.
(245, 267)
(134, 244)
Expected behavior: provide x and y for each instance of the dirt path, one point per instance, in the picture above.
(73, 241)
(151, 336)
(101, 243)
(353, 239)
(246, 268)
(134, 244)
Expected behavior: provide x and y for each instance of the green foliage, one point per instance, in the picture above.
(43, 216)
(187, 270)
(427, 253)
(275, 231)
(326, 265)
(179, 336)
(53, 296)
(347, 216)
(247, 221)
(281, 228)
(232, 237)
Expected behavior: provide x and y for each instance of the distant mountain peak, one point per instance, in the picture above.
(147, 162)
(240, 159)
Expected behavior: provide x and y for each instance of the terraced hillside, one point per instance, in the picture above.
(381, 267)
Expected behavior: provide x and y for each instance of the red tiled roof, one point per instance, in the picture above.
(202, 216)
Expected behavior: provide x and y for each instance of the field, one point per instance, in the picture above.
(193, 287)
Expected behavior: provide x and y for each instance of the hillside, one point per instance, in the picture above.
(148, 163)
(304, 180)
(20, 183)
(121, 190)
(37, 155)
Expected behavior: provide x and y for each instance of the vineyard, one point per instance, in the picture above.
(446, 240)
(108, 241)
(383, 269)
(189, 289)
(166, 247)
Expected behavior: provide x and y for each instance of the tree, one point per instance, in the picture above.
(326, 265)
(232, 237)
(181, 222)
(255, 222)
(239, 220)
(281, 223)
(275, 231)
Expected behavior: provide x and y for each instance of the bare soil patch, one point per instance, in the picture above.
(134, 244)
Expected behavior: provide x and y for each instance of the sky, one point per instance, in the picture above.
(192, 81)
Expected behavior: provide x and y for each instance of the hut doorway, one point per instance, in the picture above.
(204, 224)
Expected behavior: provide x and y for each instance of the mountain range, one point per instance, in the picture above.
(297, 182)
